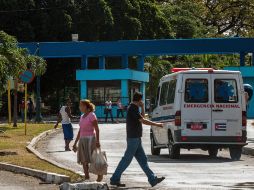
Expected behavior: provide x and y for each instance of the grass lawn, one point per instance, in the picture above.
(13, 148)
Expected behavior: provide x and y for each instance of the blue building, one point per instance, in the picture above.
(248, 78)
(100, 83)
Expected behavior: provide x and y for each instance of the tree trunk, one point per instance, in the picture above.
(15, 106)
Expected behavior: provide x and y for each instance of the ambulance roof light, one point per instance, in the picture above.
(175, 70)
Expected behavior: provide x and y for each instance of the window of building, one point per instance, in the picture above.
(99, 91)
(93, 63)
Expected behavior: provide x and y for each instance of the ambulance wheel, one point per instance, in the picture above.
(213, 152)
(154, 151)
(173, 150)
(235, 153)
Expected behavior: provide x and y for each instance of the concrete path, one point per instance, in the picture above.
(11, 181)
(194, 170)
(250, 134)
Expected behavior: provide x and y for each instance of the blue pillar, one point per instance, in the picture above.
(102, 62)
(141, 62)
(125, 62)
(143, 90)
(252, 61)
(84, 62)
(242, 59)
(83, 89)
(124, 92)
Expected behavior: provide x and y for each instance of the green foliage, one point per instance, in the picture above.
(220, 17)
(155, 28)
(185, 23)
(157, 68)
(13, 60)
(92, 19)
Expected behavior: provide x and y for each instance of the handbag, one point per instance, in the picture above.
(99, 165)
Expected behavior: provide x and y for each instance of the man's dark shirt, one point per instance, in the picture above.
(133, 125)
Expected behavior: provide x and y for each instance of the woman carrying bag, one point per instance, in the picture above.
(88, 137)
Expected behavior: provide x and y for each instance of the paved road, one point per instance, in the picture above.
(11, 181)
(194, 170)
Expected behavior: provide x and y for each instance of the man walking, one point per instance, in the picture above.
(134, 144)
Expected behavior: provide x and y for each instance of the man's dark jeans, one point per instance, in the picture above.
(134, 149)
(109, 111)
(120, 111)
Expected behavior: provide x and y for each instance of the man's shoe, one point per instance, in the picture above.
(157, 181)
(118, 184)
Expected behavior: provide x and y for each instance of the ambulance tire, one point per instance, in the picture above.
(154, 151)
(235, 153)
(173, 150)
(213, 152)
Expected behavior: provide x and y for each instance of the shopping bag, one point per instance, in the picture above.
(99, 165)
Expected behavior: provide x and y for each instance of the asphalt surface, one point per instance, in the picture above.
(11, 181)
(194, 169)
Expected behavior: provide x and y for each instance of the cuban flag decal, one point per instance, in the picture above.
(220, 126)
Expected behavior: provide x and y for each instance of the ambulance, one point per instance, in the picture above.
(200, 108)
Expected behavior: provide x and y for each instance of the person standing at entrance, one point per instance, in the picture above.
(120, 108)
(108, 110)
(22, 109)
(134, 143)
(65, 117)
(30, 110)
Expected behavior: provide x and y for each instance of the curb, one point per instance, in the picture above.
(32, 148)
(45, 176)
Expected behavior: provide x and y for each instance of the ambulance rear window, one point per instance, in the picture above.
(225, 91)
(196, 91)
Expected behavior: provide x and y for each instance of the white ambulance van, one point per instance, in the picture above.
(203, 109)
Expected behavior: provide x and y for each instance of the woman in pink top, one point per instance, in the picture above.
(88, 136)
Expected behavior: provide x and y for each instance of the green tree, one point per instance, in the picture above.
(220, 17)
(14, 60)
(92, 19)
(157, 68)
(154, 22)
(181, 18)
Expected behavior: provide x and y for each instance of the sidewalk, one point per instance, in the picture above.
(9, 180)
(184, 173)
(249, 149)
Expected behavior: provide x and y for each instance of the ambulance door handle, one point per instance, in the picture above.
(217, 110)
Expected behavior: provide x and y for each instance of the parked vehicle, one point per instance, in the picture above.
(201, 109)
